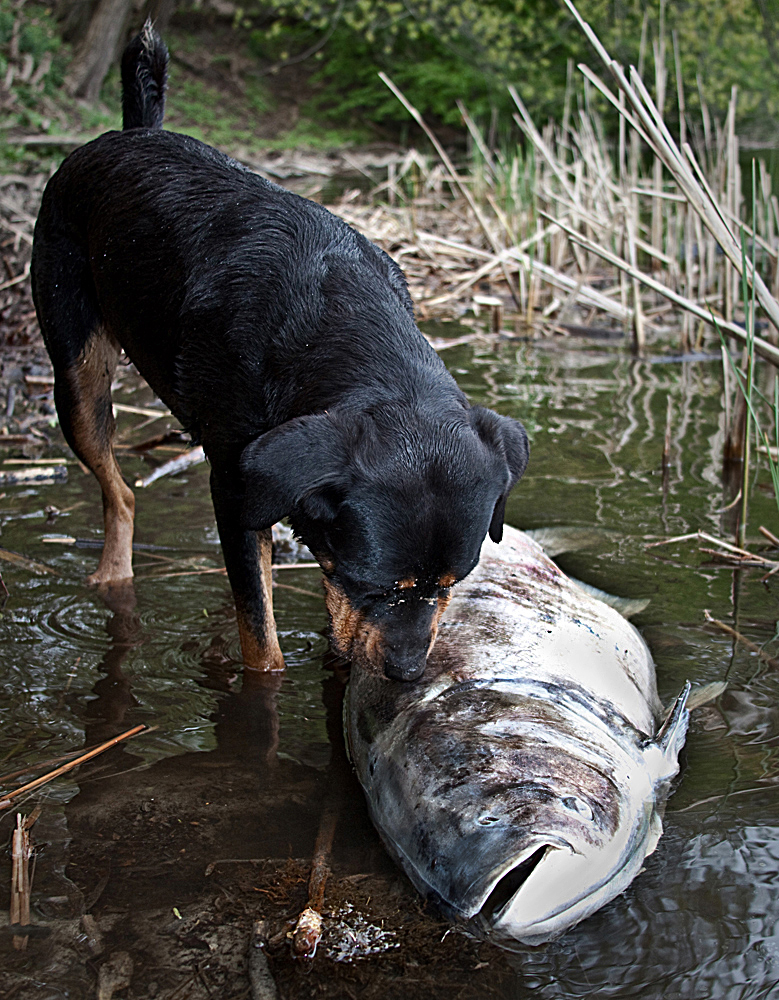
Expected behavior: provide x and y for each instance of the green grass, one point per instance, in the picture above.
(204, 111)
(219, 115)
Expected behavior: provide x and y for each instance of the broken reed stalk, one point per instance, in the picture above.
(7, 800)
(769, 535)
(21, 880)
(683, 167)
(749, 325)
(178, 464)
(585, 192)
(761, 347)
(308, 930)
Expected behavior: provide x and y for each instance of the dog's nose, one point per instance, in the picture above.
(404, 668)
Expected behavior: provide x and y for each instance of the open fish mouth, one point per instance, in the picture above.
(536, 898)
(509, 884)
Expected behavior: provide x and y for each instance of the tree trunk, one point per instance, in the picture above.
(98, 49)
(73, 17)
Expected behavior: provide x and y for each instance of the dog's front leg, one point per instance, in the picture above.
(247, 556)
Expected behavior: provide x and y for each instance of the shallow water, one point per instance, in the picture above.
(149, 838)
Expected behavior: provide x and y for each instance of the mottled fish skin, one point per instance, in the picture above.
(526, 750)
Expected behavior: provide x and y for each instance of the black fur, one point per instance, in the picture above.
(144, 80)
(284, 341)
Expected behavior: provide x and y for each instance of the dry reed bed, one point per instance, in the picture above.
(577, 227)
(638, 234)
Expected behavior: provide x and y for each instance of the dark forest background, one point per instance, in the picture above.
(305, 73)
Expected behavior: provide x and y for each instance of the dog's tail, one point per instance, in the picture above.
(144, 78)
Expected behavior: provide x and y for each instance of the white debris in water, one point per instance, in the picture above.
(349, 936)
(287, 548)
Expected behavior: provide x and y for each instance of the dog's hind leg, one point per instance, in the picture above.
(82, 392)
(247, 557)
(84, 356)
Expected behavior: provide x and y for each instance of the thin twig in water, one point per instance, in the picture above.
(308, 929)
(4, 778)
(7, 800)
(742, 639)
(6, 555)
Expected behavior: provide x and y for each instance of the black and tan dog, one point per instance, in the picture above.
(286, 343)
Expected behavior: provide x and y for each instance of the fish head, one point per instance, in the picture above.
(568, 867)
(530, 809)
(587, 842)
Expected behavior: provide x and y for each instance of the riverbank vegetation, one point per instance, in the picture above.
(322, 57)
(524, 172)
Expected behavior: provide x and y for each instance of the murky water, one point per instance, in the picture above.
(178, 840)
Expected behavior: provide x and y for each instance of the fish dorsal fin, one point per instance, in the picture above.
(627, 606)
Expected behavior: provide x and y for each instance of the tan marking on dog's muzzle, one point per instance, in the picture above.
(352, 636)
(439, 611)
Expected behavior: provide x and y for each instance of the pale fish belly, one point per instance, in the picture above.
(520, 782)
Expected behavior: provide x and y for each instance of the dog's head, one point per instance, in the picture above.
(395, 507)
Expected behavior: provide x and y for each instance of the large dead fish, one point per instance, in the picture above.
(520, 782)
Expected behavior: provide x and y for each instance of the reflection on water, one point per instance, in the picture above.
(177, 841)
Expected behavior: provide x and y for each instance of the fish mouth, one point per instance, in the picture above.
(549, 890)
(509, 884)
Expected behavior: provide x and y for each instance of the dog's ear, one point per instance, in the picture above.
(498, 515)
(507, 437)
(297, 465)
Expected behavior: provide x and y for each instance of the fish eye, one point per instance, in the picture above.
(577, 805)
(487, 820)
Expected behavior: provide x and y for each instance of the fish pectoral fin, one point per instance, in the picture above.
(705, 694)
(561, 538)
(677, 714)
(661, 752)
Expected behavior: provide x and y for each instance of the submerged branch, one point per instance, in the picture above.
(7, 800)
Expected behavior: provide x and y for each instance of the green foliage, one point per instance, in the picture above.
(435, 51)
(30, 32)
(441, 50)
(721, 44)
(32, 65)
(312, 134)
(204, 111)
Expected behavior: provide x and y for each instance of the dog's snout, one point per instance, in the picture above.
(404, 666)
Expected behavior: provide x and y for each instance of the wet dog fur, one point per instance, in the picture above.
(285, 342)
